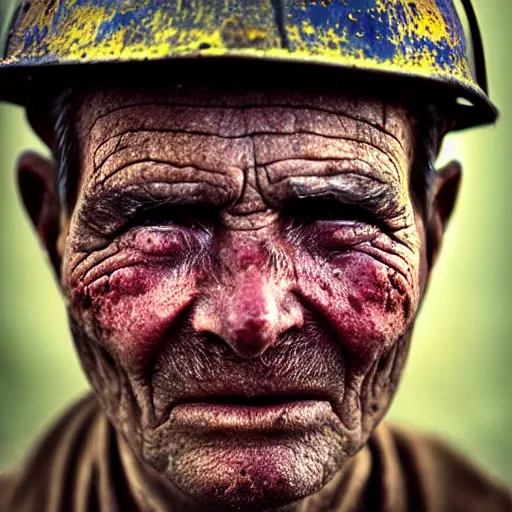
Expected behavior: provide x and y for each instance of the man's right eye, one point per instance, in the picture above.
(189, 217)
(170, 230)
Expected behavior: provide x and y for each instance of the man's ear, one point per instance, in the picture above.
(37, 186)
(446, 188)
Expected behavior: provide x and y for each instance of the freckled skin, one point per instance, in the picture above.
(242, 244)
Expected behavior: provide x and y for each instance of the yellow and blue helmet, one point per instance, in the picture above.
(409, 41)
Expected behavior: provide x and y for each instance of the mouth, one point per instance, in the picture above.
(260, 414)
(258, 400)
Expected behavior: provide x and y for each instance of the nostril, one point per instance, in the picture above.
(218, 346)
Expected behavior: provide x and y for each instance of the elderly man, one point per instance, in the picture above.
(242, 258)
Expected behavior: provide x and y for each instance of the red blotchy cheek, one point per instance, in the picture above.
(131, 310)
(127, 282)
(367, 303)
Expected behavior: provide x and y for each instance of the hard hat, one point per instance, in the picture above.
(418, 42)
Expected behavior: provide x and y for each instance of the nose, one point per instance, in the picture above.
(252, 317)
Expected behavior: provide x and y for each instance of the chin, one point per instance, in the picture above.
(253, 472)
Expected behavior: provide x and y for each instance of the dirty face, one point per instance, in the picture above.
(242, 272)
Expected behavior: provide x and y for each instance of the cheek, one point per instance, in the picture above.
(367, 303)
(130, 310)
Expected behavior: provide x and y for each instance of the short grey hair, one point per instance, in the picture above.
(65, 147)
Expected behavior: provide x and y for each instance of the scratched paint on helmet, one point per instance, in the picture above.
(105, 30)
(432, 26)
(421, 34)
(429, 19)
(422, 37)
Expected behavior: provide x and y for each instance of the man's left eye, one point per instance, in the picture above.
(317, 210)
(333, 226)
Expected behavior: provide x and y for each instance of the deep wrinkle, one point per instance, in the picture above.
(303, 278)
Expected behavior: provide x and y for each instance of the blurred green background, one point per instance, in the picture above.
(458, 381)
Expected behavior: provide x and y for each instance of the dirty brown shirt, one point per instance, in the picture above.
(78, 468)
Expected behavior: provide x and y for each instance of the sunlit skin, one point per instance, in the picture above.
(242, 273)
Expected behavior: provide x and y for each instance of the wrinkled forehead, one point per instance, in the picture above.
(274, 140)
(99, 109)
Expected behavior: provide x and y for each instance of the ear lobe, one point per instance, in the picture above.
(446, 188)
(36, 183)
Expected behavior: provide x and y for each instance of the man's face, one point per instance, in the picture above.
(242, 272)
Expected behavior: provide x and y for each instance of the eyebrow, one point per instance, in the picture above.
(107, 212)
(381, 198)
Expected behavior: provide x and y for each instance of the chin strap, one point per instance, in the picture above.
(478, 48)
